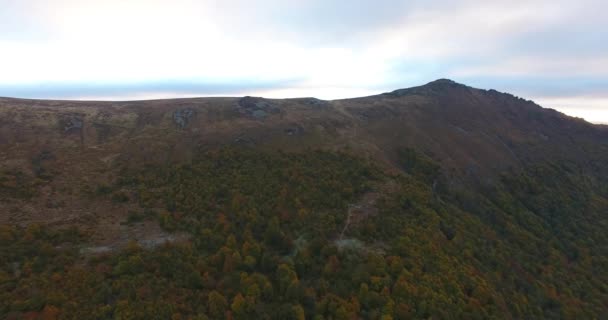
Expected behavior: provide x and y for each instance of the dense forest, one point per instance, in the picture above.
(288, 235)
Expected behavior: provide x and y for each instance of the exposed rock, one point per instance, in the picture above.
(155, 242)
(316, 102)
(349, 244)
(448, 231)
(244, 140)
(71, 122)
(182, 117)
(148, 243)
(459, 129)
(313, 102)
(258, 108)
(294, 130)
(259, 114)
(437, 87)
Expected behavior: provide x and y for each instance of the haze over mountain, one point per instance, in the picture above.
(437, 201)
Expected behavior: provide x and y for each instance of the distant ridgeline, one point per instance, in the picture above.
(273, 235)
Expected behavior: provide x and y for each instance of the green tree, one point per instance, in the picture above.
(217, 305)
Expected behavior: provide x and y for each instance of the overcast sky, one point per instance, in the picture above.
(554, 52)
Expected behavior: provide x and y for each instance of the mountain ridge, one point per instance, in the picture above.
(473, 134)
(431, 88)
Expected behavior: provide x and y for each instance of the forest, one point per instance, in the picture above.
(267, 240)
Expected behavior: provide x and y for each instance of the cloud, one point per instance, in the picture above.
(591, 108)
(536, 48)
(135, 90)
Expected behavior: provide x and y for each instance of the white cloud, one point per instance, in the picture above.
(537, 66)
(332, 47)
(593, 108)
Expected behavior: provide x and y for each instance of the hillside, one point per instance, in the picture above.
(439, 201)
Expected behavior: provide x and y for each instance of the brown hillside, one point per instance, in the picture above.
(54, 153)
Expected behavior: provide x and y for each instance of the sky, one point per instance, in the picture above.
(554, 52)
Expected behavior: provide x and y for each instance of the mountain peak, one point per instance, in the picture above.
(432, 88)
(443, 81)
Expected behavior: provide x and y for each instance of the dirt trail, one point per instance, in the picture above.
(366, 206)
(360, 211)
(147, 243)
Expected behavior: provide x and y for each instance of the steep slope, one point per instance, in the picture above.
(472, 134)
(440, 201)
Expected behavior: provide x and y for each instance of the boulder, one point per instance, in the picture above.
(182, 117)
(258, 108)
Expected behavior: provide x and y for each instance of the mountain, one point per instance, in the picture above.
(438, 201)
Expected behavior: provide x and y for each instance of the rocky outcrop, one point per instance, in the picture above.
(182, 117)
(313, 102)
(437, 87)
(294, 130)
(71, 122)
(257, 108)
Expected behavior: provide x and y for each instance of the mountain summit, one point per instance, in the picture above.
(437, 86)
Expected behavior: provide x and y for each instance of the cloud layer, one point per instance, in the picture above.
(551, 51)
